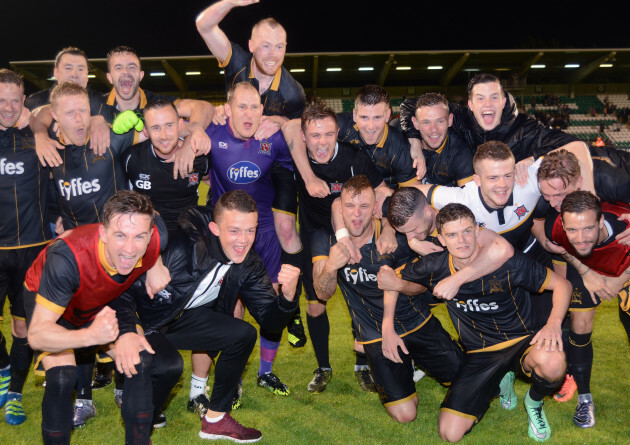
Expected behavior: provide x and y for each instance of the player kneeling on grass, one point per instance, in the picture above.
(212, 264)
(429, 344)
(497, 326)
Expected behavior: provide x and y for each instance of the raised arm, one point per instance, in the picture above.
(208, 26)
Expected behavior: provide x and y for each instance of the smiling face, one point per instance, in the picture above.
(11, 104)
(125, 75)
(245, 112)
(126, 238)
(356, 210)
(162, 125)
(486, 103)
(72, 68)
(583, 230)
(460, 238)
(495, 180)
(72, 113)
(371, 121)
(320, 137)
(433, 122)
(236, 231)
(268, 45)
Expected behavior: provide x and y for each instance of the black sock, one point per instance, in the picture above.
(4, 357)
(580, 355)
(137, 408)
(57, 409)
(542, 387)
(21, 357)
(361, 359)
(319, 330)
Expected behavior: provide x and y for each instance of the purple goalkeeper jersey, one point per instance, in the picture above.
(239, 164)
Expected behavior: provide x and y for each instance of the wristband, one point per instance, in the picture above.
(341, 233)
(587, 269)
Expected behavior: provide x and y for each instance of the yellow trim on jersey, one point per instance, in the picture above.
(398, 402)
(52, 307)
(408, 183)
(24, 246)
(439, 150)
(546, 282)
(111, 98)
(136, 138)
(381, 143)
(319, 258)
(559, 262)
(143, 99)
(15, 317)
(464, 181)
(284, 212)
(451, 265)
(276, 80)
(227, 59)
(459, 414)
(499, 346)
(401, 335)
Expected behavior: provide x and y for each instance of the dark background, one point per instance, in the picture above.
(37, 30)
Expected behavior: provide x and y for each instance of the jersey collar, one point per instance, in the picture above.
(111, 99)
(275, 84)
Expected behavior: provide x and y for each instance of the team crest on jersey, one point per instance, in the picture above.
(193, 179)
(265, 148)
(163, 295)
(223, 145)
(495, 285)
(98, 158)
(354, 142)
(335, 187)
(576, 297)
(481, 224)
(520, 211)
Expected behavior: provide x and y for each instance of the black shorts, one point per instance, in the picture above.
(430, 347)
(580, 296)
(285, 190)
(14, 263)
(477, 381)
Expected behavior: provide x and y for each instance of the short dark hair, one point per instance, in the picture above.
(494, 150)
(403, 204)
(72, 50)
(356, 185)
(234, 200)
(483, 78)
(126, 202)
(559, 164)
(121, 49)
(581, 201)
(269, 21)
(158, 104)
(243, 84)
(371, 95)
(8, 76)
(66, 89)
(452, 212)
(431, 99)
(317, 113)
